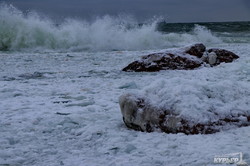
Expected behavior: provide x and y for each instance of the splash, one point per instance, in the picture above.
(19, 31)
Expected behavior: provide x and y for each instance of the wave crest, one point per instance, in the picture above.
(19, 31)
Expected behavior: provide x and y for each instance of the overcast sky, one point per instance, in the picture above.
(171, 10)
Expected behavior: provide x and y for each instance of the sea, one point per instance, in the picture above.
(60, 84)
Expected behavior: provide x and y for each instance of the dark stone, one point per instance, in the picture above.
(223, 55)
(162, 61)
(139, 115)
(192, 58)
(196, 50)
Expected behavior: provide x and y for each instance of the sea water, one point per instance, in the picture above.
(60, 84)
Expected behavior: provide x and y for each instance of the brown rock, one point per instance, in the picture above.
(196, 50)
(223, 55)
(163, 61)
(192, 58)
(139, 115)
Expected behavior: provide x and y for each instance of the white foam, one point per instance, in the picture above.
(200, 100)
(39, 128)
(33, 32)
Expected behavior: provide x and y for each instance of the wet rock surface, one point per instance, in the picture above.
(140, 115)
(196, 50)
(223, 55)
(191, 58)
(162, 61)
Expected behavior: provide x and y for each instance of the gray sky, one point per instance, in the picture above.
(171, 10)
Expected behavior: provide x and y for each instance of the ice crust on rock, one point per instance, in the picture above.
(188, 58)
(188, 106)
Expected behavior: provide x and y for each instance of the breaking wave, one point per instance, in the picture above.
(20, 31)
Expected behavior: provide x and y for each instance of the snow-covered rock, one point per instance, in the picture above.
(163, 61)
(196, 50)
(188, 58)
(223, 56)
(194, 108)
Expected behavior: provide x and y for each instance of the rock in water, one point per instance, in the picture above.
(223, 55)
(141, 116)
(191, 58)
(203, 110)
(208, 109)
(163, 61)
(212, 58)
(196, 50)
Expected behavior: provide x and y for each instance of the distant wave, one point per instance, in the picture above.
(19, 31)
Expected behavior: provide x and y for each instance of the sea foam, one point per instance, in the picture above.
(20, 31)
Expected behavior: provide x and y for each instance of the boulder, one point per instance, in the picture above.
(163, 61)
(187, 105)
(196, 50)
(140, 115)
(190, 58)
(223, 55)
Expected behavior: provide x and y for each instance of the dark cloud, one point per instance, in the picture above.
(171, 10)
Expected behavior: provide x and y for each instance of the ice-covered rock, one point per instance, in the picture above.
(212, 58)
(223, 55)
(190, 58)
(163, 61)
(193, 108)
(196, 50)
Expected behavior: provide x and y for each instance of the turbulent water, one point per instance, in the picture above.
(60, 84)
(19, 31)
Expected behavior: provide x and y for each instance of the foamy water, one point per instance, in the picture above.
(32, 32)
(59, 107)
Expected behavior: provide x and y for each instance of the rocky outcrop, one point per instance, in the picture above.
(163, 61)
(223, 55)
(190, 107)
(191, 58)
(139, 114)
(196, 50)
